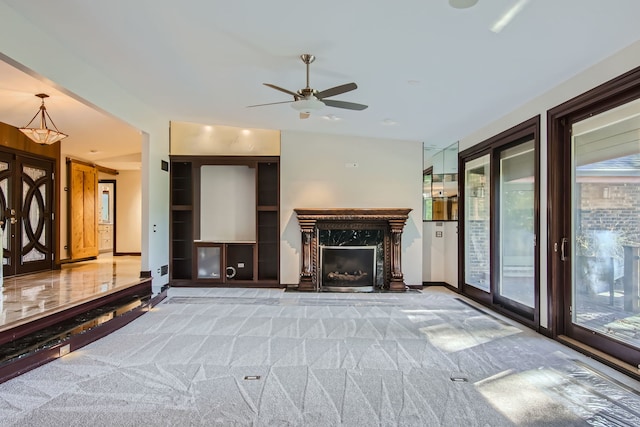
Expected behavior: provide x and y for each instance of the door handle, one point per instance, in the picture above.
(563, 244)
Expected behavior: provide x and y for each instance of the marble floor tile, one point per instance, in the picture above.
(29, 297)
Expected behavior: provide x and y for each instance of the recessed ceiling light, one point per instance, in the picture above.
(462, 4)
(389, 122)
(332, 117)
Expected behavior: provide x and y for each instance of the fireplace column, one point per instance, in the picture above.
(308, 227)
(397, 278)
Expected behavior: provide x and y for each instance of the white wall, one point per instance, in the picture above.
(619, 63)
(128, 211)
(227, 203)
(28, 45)
(313, 174)
(440, 252)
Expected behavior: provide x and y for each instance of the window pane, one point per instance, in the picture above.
(426, 197)
(517, 245)
(606, 223)
(477, 223)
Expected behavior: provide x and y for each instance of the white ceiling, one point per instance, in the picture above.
(439, 72)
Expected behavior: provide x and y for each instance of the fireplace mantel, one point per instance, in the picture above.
(391, 220)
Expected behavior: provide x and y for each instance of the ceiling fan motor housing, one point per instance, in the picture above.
(308, 100)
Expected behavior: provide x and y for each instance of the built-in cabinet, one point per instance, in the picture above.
(105, 237)
(200, 196)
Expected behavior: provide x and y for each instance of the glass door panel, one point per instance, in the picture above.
(516, 229)
(477, 228)
(605, 230)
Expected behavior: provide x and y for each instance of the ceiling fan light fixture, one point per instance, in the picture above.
(43, 135)
(308, 105)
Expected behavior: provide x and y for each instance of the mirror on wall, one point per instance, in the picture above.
(440, 186)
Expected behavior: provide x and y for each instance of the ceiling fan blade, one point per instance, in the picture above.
(304, 115)
(296, 95)
(336, 90)
(343, 104)
(270, 103)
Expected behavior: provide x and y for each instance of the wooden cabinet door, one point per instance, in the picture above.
(83, 210)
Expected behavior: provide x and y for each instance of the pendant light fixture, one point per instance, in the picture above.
(43, 135)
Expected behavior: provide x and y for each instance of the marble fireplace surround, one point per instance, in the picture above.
(390, 220)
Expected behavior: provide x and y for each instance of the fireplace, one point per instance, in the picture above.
(379, 228)
(348, 268)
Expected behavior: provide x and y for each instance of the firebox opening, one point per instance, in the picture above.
(348, 268)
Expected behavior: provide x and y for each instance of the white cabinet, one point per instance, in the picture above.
(105, 237)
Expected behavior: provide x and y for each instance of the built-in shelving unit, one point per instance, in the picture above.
(181, 221)
(267, 220)
(197, 262)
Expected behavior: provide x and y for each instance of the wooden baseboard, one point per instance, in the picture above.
(445, 284)
(546, 332)
(127, 254)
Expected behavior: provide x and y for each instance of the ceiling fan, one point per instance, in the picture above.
(308, 100)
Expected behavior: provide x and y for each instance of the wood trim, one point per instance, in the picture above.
(127, 254)
(196, 163)
(613, 93)
(381, 214)
(15, 142)
(107, 170)
(75, 342)
(142, 287)
(391, 220)
(529, 129)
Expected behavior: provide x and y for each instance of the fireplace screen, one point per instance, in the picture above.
(348, 268)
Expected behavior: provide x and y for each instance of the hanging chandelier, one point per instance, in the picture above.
(43, 135)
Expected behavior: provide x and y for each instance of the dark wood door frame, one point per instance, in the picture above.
(527, 130)
(614, 93)
(15, 215)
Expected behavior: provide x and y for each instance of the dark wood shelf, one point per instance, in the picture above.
(182, 207)
(181, 221)
(261, 259)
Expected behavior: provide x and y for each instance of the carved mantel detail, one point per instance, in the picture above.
(392, 220)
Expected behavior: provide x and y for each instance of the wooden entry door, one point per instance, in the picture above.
(26, 210)
(83, 208)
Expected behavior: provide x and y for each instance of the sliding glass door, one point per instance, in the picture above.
(594, 220)
(516, 226)
(477, 223)
(500, 213)
(605, 226)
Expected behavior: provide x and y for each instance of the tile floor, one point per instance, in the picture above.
(28, 297)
